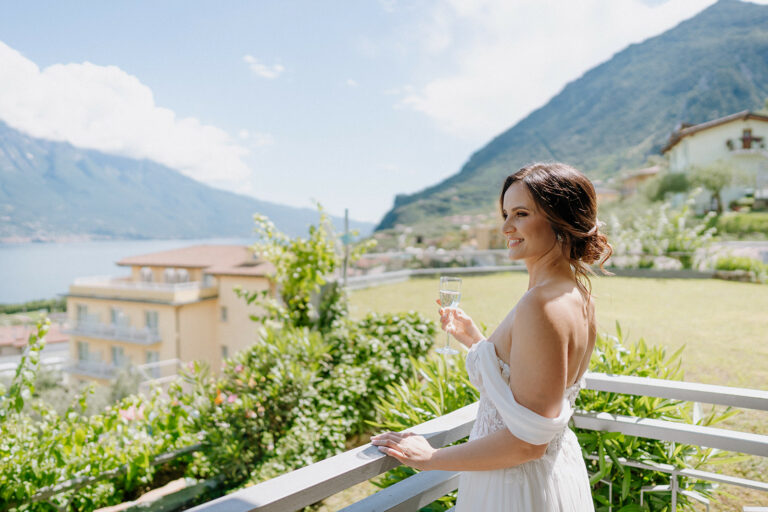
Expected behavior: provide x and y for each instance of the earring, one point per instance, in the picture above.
(559, 237)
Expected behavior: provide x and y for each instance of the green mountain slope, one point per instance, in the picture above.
(52, 189)
(620, 112)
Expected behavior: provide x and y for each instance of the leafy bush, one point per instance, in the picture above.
(661, 231)
(614, 356)
(296, 396)
(437, 387)
(744, 224)
(758, 269)
(41, 448)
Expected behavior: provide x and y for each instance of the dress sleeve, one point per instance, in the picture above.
(472, 366)
(524, 424)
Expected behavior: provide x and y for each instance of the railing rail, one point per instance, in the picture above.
(317, 481)
(143, 336)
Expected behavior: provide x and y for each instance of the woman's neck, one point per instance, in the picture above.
(550, 266)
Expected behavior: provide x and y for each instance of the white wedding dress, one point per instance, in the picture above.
(557, 482)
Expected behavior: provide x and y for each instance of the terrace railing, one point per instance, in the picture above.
(141, 336)
(318, 481)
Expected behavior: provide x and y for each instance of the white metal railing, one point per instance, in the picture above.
(142, 336)
(96, 368)
(124, 283)
(317, 481)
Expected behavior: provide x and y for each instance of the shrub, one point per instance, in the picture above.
(744, 224)
(661, 231)
(437, 387)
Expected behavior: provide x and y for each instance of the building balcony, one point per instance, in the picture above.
(115, 332)
(94, 369)
(125, 289)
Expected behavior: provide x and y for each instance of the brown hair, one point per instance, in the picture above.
(567, 199)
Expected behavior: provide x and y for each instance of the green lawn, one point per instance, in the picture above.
(723, 324)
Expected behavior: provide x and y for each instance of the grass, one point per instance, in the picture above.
(723, 325)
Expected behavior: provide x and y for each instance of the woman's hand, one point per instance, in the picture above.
(458, 324)
(409, 448)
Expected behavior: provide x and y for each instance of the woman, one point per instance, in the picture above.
(521, 456)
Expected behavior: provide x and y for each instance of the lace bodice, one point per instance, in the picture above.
(488, 418)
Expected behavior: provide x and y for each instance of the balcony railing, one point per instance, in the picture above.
(118, 282)
(141, 336)
(112, 287)
(318, 481)
(98, 369)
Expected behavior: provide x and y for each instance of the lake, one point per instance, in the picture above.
(34, 271)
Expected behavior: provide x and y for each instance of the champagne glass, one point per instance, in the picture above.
(450, 293)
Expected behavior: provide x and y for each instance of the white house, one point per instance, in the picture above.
(738, 140)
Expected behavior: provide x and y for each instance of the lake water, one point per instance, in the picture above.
(42, 270)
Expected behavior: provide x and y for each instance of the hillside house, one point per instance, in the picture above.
(175, 305)
(738, 140)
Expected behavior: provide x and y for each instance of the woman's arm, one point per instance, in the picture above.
(498, 450)
(537, 381)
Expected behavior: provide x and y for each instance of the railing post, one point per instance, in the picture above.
(673, 481)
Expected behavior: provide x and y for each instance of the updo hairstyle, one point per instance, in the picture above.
(567, 198)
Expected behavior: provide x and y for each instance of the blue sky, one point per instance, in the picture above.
(348, 103)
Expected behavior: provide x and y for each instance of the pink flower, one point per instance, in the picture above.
(132, 413)
(239, 368)
(231, 398)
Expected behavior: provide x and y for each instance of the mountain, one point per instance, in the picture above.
(53, 189)
(619, 112)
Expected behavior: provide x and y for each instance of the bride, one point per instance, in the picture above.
(521, 456)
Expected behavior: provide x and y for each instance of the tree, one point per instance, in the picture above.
(303, 267)
(715, 177)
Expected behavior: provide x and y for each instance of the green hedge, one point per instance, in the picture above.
(743, 223)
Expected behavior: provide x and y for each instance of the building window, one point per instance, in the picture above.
(150, 320)
(82, 351)
(224, 313)
(224, 352)
(145, 274)
(118, 357)
(169, 275)
(208, 280)
(153, 356)
(746, 138)
(182, 275)
(82, 314)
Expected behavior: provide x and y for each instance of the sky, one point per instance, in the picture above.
(343, 102)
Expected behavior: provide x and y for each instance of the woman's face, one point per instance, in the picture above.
(528, 232)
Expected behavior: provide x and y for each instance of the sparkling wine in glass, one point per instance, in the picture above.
(450, 294)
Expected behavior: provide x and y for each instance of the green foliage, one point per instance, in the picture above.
(296, 396)
(302, 268)
(660, 231)
(432, 389)
(613, 355)
(437, 387)
(50, 305)
(41, 448)
(744, 224)
(667, 183)
(758, 269)
(714, 178)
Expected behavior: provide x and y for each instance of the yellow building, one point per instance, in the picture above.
(175, 305)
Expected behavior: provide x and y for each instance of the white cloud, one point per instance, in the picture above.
(262, 70)
(256, 139)
(105, 108)
(510, 57)
(351, 83)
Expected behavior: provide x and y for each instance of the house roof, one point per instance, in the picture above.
(213, 259)
(18, 335)
(687, 129)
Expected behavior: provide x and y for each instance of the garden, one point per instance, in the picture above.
(330, 369)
